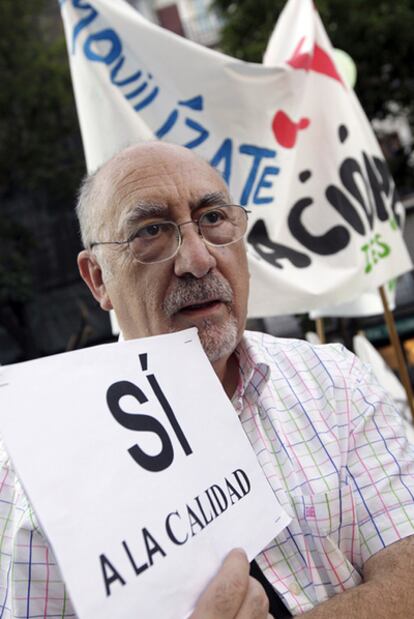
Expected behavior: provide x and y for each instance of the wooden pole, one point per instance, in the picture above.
(320, 330)
(396, 343)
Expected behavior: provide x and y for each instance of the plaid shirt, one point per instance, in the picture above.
(335, 453)
(344, 474)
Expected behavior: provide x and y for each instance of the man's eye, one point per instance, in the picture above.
(149, 231)
(213, 217)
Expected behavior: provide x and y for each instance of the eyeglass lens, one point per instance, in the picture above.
(159, 241)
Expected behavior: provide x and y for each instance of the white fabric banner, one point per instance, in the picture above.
(289, 137)
(383, 373)
(124, 474)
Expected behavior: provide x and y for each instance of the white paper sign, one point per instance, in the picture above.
(139, 472)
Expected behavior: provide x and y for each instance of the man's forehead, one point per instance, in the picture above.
(157, 166)
(160, 173)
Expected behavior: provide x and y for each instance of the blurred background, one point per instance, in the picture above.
(44, 306)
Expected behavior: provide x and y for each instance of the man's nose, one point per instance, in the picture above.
(194, 256)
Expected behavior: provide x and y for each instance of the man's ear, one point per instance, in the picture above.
(91, 273)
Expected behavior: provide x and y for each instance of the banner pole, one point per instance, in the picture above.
(320, 330)
(396, 343)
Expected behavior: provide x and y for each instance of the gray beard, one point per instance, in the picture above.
(218, 340)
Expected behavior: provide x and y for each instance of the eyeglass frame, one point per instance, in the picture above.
(179, 234)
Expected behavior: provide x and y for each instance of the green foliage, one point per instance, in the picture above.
(247, 26)
(41, 158)
(15, 279)
(40, 150)
(377, 35)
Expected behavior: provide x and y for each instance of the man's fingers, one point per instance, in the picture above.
(226, 593)
(256, 603)
(233, 594)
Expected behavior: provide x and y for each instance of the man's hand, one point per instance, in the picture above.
(233, 594)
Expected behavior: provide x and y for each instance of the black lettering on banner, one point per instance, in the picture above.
(330, 242)
(379, 186)
(365, 185)
(395, 202)
(110, 574)
(274, 252)
(349, 171)
(342, 204)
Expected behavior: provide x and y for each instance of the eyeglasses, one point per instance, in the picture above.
(158, 241)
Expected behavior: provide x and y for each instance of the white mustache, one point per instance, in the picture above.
(192, 291)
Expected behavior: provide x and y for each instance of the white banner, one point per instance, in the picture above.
(289, 137)
(142, 479)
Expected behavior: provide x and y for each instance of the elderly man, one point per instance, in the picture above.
(164, 249)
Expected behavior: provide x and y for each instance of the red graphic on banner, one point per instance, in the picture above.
(319, 61)
(286, 130)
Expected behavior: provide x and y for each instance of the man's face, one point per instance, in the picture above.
(202, 286)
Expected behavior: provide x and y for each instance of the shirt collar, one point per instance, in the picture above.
(253, 374)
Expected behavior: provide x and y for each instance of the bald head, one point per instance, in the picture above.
(103, 191)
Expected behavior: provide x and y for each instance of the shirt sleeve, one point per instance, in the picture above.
(31, 585)
(380, 465)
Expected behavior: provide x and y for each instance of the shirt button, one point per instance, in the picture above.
(295, 589)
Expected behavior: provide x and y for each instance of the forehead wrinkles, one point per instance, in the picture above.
(134, 179)
(164, 181)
